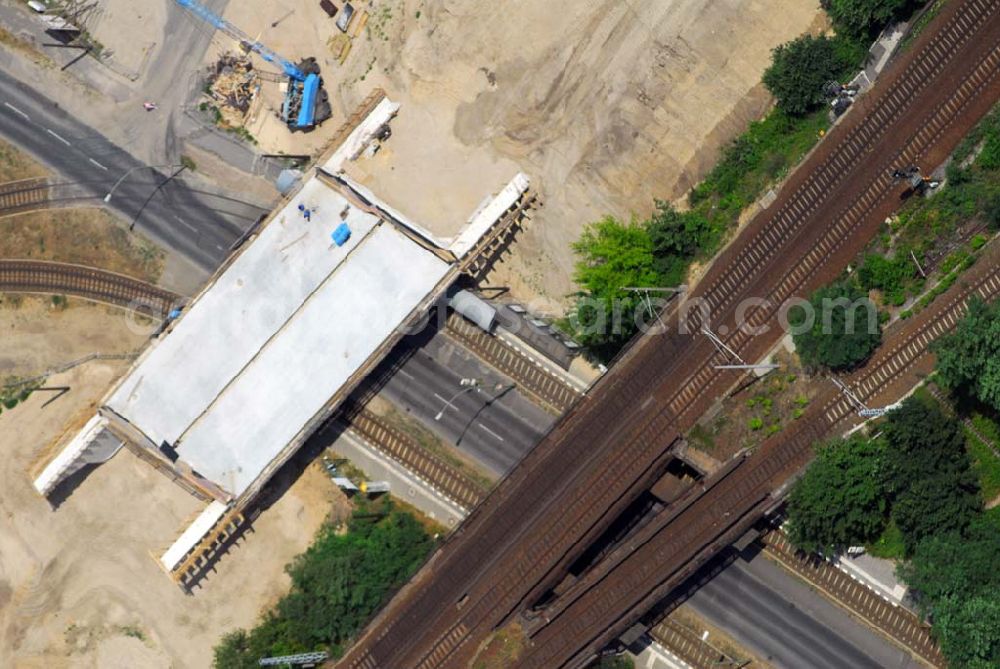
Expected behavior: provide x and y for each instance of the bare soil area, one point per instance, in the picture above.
(79, 585)
(605, 105)
(127, 30)
(39, 335)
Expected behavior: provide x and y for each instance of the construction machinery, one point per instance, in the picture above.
(306, 104)
(916, 182)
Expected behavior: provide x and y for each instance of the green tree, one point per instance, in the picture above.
(969, 630)
(968, 361)
(675, 238)
(838, 330)
(337, 584)
(863, 17)
(799, 70)
(930, 475)
(949, 564)
(841, 500)
(612, 256)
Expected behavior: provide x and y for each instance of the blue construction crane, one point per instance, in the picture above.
(305, 103)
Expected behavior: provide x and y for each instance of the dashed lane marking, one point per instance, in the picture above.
(98, 164)
(17, 111)
(57, 136)
(490, 432)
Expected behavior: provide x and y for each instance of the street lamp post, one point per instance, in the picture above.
(107, 198)
(470, 385)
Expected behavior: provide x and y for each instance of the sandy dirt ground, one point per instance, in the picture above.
(38, 335)
(78, 584)
(128, 30)
(605, 105)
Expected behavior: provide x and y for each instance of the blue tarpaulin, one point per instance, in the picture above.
(310, 88)
(341, 234)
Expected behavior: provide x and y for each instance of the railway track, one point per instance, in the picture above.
(673, 541)
(52, 278)
(519, 541)
(556, 395)
(17, 197)
(899, 624)
(415, 458)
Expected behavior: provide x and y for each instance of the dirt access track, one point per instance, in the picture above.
(605, 104)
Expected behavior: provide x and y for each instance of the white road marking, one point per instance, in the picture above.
(219, 247)
(489, 431)
(406, 374)
(16, 111)
(61, 139)
(443, 399)
(98, 164)
(187, 225)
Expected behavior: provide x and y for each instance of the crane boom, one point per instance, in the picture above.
(219, 23)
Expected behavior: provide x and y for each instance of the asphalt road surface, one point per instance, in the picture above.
(198, 225)
(492, 423)
(788, 624)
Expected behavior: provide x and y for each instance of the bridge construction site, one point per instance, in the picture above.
(517, 558)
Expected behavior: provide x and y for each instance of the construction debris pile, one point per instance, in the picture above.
(233, 84)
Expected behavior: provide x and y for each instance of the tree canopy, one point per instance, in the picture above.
(799, 71)
(969, 630)
(612, 256)
(841, 500)
(675, 238)
(930, 475)
(968, 361)
(863, 17)
(839, 330)
(337, 584)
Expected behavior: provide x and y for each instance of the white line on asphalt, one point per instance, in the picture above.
(443, 399)
(61, 139)
(187, 225)
(486, 429)
(219, 247)
(98, 164)
(16, 110)
(406, 374)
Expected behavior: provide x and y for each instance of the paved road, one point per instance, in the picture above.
(494, 426)
(787, 623)
(199, 225)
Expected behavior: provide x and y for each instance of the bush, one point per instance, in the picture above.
(889, 276)
(844, 329)
(841, 500)
(968, 361)
(863, 17)
(799, 70)
(337, 584)
(930, 476)
(675, 238)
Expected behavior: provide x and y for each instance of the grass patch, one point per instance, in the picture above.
(755, 161)
(890, 545)
(89, 237)
(985, 461)
(15, 165)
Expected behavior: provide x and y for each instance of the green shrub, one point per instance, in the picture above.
(337, 584)
(799, 70)
(844, 329)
